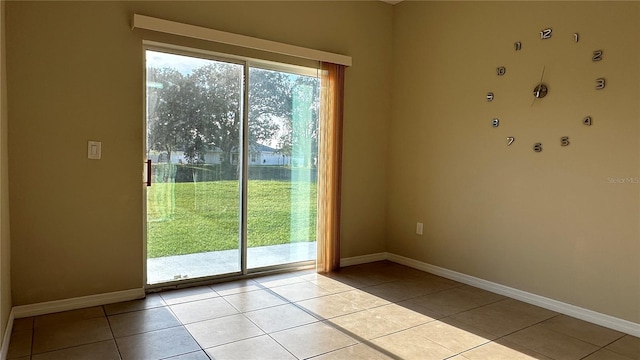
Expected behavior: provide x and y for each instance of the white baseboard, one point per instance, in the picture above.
(76, 303)
(363, 259)
(591, 316)
(7, 337)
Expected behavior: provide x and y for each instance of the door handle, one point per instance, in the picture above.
(148, 172)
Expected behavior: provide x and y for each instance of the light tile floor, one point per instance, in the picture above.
(373, 311)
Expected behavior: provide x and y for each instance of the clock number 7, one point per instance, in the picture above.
(510, 140)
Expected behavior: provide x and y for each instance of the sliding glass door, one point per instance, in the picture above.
(283, 156)
(233, 147)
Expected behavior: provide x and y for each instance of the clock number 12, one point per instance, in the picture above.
(545, 34)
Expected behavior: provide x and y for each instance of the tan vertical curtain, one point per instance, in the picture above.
(330, 167)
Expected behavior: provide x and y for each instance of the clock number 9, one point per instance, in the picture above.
(545, 34)
(600, 83)
(501, 70)
(537, 147)
(564, 141)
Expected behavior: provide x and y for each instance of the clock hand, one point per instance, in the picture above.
(538, 89)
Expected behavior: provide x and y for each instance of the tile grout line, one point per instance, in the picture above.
(113, 336)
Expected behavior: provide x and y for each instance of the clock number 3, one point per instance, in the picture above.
(600, 83)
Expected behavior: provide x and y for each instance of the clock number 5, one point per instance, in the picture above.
(564, 141)
(600, 83)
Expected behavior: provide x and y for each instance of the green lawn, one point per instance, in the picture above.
(186, 218)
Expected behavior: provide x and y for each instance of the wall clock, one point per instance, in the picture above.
(542, 89)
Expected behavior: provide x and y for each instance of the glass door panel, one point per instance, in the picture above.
(282, 159)
(194, 117)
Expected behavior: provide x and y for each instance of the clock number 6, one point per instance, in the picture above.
(537, 147)
(600, 83)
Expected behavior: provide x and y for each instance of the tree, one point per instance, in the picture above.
(202, 110)
(301, 128)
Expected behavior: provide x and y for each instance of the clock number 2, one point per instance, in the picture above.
(537, 147)
(600, 83)
(597, 55)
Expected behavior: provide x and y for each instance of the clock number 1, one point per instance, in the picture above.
(600, 84)
(545, 34)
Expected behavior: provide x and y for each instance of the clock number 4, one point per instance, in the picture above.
(587, 121)
(600, 83)
(545, 34)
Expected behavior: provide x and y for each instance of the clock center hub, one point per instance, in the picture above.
(540, 91)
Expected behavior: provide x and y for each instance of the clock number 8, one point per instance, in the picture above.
(537, 147)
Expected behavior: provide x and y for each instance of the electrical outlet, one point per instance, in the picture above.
(419, 228)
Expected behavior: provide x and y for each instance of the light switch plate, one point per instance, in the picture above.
(94, 150)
